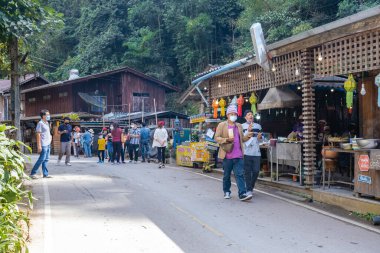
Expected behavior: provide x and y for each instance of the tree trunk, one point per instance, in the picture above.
(15, 88)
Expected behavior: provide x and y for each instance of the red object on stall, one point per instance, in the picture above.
(364, 163)
(240, 102)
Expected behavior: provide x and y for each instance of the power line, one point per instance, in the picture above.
(43, 64)
(37, 58)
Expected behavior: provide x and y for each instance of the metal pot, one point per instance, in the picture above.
(368, 143)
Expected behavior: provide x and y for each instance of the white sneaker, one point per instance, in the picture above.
(249, 193)
(227, 195)
(135, 162)
(68, 164)
(58, 162)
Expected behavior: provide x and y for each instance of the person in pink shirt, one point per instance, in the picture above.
(229, 135)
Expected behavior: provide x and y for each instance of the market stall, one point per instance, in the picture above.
(201, 150)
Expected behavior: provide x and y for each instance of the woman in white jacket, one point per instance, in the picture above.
(160, 140)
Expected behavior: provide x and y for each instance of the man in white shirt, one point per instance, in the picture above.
(252, 154)
(43, 144)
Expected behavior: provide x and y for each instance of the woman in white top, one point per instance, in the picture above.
(160, 140)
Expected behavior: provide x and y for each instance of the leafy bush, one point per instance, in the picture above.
(12, 194)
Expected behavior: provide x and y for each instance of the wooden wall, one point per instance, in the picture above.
(33, 83)
(55, 104)
(369, 111)
(134, 84)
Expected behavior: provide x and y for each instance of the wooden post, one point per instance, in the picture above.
(309, 120)
(155, 110)
(129, 114)
(142, 111)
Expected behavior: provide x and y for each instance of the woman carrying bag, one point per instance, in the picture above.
(160, 140)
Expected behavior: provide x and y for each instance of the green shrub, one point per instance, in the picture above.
(12, 194)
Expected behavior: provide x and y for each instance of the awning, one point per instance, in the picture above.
(279, 98)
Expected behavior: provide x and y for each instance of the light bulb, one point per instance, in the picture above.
(363, 91)
(258, 117)
(219, 85)
(249, 75)
(299, 87)
(320, 58)
(297, 72)
(205, 88)
(273, 68)
(246, 100)
(332, 90)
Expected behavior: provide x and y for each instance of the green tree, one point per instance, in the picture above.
(20, 20)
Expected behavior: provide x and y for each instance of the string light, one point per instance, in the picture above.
(249, 75)
(205, 88)
(273, 68)
(332, 90)
(219, 85)
(298, 87)
(297, 72)
(246, 100)
(258, 117)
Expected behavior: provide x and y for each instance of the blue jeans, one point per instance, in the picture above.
(43, 159)
(236, 165)
(144, 149)
(87, 149)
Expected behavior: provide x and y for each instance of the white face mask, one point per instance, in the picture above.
(111, 127)
(233, 118)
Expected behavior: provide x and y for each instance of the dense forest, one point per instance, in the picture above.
(169, 39)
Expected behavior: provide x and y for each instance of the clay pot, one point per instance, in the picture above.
(328, 154)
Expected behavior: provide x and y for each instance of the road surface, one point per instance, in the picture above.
(90, 208)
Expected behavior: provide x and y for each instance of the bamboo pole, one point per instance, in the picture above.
(142, 113)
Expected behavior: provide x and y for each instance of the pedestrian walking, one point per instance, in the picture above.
(101, 148)
(76, 141)
(252, 154)
(160, 140)
(144, 141)
(134, 143)
(43, 145)
(229, 134)
(87, 140)
(64, 130)
(124, 145)
(117, 134)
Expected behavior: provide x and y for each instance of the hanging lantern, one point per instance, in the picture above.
(222, 104)
(350, 86)
(240, 102)
(253, 101)
(377, 83)
(215, 105)
(234, 101)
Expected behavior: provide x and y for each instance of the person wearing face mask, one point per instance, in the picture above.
(43, 145)
(252, 154)
(65, 130)
(134, 143)
(87, 139)
(229, 135)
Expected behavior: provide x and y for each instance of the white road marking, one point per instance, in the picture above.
(354, 223)
(47, 235)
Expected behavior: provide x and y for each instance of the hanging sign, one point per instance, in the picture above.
(363, 162)
(364, 179)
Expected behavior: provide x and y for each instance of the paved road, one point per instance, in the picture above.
(140, 208)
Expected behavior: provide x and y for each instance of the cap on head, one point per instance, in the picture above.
(161, 123)
(246, 112)
(66, 118)
(231, 109)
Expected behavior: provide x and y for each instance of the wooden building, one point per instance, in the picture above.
(347, 46)
(116, 90)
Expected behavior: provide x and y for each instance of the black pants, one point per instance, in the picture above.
(161, 154)
(251, 170)
(133, 151)
(101, 155)
(116, 151)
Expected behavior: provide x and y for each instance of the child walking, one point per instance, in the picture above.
(101, 148)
